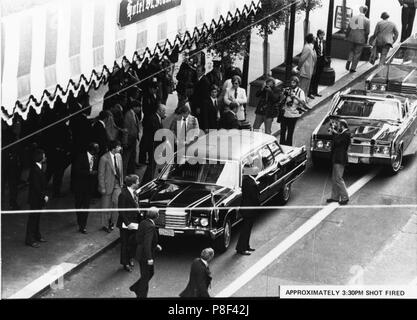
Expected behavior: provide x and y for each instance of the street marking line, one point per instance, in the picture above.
(289, 207)
(47, 279)
(288, 242)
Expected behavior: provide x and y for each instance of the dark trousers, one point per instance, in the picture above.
(244, 237)
(82, 201)
(33, 233)
(57, 162)
(287, 130)
(314, 85)
(141, 287)
(11, 175)
(150, 169)
(127, 247)
(129, 160)
(407, 21)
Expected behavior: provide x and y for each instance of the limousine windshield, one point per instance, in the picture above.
(222, 173)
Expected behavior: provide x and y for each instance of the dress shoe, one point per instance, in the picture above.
(83, 230)
(127, 268)
(331, 200)
(111, 225)
(33, 245)
(42, 240)
(352, 71)
(244, 253)
(106, 229)
(311, 96)
(347, 65)
(343, 202)
(318, 95)
(250, 249)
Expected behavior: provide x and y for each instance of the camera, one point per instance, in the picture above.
(333, 127)
(287, 92)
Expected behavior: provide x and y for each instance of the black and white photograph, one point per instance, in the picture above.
(222, 149)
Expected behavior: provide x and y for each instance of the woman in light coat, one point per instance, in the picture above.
(236, 96)
(307, 64)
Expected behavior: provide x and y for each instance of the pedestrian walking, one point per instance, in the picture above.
(307, 63)
(341, 141)
(128, 221)
(385, 35)
(357, 34)
(110, 182)
(85, 171)
(147, 245)
(37, 198)
(200, 276)
(321, 62)
(267, 109)
(294, 105)
(250, 198)
(408, 14)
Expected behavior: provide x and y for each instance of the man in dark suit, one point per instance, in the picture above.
(200, 276)
(131, 124)
(187, 78)
(215, 76)
(228, 119)
(321, 61)
(151, 124)
(147, 244)
(250, 198)
(201, 92)
(84, 172)
(210, 112)
(151, 98)
(37, 198)
(99, 133)
(341, 142)
(128, 221)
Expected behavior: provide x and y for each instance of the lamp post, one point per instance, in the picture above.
(290, 49)
(368, 4)
(328, 76)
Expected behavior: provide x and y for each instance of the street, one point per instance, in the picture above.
(348, 246)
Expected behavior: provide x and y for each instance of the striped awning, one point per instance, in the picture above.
(66, 46)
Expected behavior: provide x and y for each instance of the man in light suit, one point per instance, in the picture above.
(186, 128)
(307, 64)
(110, 182)
(357, 33)
(200, 276)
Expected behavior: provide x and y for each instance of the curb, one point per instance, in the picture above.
(329, 97)
(45, 287)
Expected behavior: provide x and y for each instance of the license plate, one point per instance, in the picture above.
(167, 232)
(353, 160)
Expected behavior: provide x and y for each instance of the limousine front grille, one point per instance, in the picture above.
(398, 87)
(355, 148)
(174, 221)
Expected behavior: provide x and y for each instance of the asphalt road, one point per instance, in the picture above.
(350, 246)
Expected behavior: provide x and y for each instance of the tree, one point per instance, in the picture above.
(308, 6)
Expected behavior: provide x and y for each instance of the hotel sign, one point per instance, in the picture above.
(132, 11)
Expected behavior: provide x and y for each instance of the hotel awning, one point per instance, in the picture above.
(63, 46)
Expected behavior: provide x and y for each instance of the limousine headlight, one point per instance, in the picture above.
(204, 222)
(377, 87)
(385, 150)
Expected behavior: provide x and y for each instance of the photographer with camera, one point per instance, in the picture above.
(266, 110)
(293, 105)
(341, 141)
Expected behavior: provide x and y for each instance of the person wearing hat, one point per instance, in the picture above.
(357, 34)
(250, 198)
(385, 35)
(200, 276)
(408, 13)
(341, 142)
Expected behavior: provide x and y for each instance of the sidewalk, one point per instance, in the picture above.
(27, 271)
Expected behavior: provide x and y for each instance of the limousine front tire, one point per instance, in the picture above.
(222, 242)
(284, 195)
